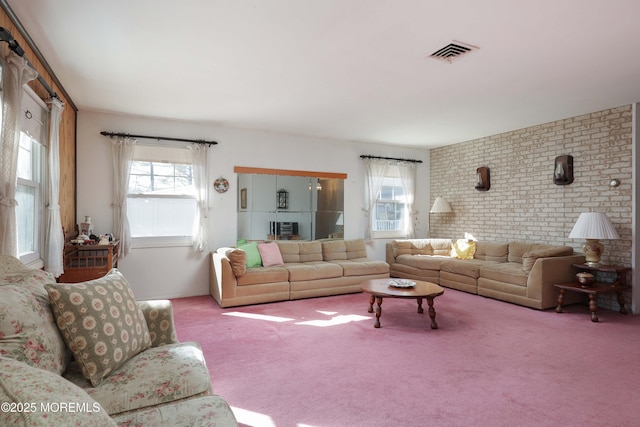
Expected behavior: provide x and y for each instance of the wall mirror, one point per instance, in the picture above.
(277, 204)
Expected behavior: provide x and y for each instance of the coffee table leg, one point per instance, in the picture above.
(560, 300)
(420, 310)
(378, 312)
(432, 313)
(372, 299)
(593, 307)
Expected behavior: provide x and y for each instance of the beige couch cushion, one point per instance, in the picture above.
(362, 267)
(293, 251)
(413, 247)
(529, 258)
(422, 262)
(259, 275)
(517, 249)
(356, 249)
(313, 271)
(507, 272)
(441, 246)
(333, 250)
(464, 267)
(492, 251)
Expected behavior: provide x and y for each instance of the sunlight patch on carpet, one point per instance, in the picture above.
(253, 419)
(337, 320)
(258, 316)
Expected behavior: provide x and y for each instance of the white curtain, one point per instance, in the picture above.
(408, 178)
(375, 172)
(54, 236)
(199, 157)
(15, 73)
(122, 153)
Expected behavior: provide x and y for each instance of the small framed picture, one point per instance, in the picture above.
(243, 198)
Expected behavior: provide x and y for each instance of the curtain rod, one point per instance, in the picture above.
(128, 135)
(366, 156)
(6, 36)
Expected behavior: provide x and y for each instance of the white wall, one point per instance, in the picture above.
(179, 271)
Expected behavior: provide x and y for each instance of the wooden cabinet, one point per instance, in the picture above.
(88, 262)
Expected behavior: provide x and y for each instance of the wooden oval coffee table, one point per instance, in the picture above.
(380, 288)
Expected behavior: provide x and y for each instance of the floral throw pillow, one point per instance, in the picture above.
(100, 322)
(35, 397)
(28, 331)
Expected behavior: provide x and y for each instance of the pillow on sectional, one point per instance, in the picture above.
(40, 393)
(28, 331)
(252, 253)
(270, 254)
(100, 322)
(463, 249)
(238, 261)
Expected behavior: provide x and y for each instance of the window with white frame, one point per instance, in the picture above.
(161, 200)
(390, 214)
(32, 179)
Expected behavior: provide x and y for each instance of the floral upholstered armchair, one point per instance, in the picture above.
(90, 354)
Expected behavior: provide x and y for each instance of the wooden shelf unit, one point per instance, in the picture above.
(88, 262)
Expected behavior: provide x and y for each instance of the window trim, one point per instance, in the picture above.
(146, 153)
(393, 173)
(31, 101)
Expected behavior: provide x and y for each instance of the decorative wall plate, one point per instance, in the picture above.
(221, 185)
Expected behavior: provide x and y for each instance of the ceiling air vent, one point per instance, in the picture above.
(453, 51)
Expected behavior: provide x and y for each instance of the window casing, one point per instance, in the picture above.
(390, 214)
(161, 200)
(31, 180)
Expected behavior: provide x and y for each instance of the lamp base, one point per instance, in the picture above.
(592, 249)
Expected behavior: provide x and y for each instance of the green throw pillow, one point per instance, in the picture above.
(253, 255)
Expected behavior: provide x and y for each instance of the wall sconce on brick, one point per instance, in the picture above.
(563, 170)
(483, 181)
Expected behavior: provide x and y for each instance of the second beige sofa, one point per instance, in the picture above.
(310, 269)
(518, 272)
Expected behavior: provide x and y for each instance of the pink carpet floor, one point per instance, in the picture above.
(319, 362)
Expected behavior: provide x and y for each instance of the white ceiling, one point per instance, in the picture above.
(348, 69)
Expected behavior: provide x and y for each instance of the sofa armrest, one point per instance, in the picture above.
(222, 280)
(546, 272)
(159, 317)
(389, 254)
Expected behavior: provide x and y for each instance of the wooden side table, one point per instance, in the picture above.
(618, 286)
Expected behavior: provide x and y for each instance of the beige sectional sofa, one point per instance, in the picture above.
(308, 269)
(518, 272)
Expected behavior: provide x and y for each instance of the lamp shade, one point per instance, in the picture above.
(593, 225)
(440, 205)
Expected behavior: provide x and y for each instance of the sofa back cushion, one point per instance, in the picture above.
(441, 247)
(293, 251)
(412, 247)
(529, 258)
(356, 249)
(334, 250)
(518, 249)
(492, 251)
(340, 250)
(28, 331)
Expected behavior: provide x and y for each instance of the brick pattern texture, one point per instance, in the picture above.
(523, 203)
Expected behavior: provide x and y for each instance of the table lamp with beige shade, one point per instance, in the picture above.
(593, 226)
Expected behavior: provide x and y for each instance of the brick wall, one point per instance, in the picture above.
(523, 202)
